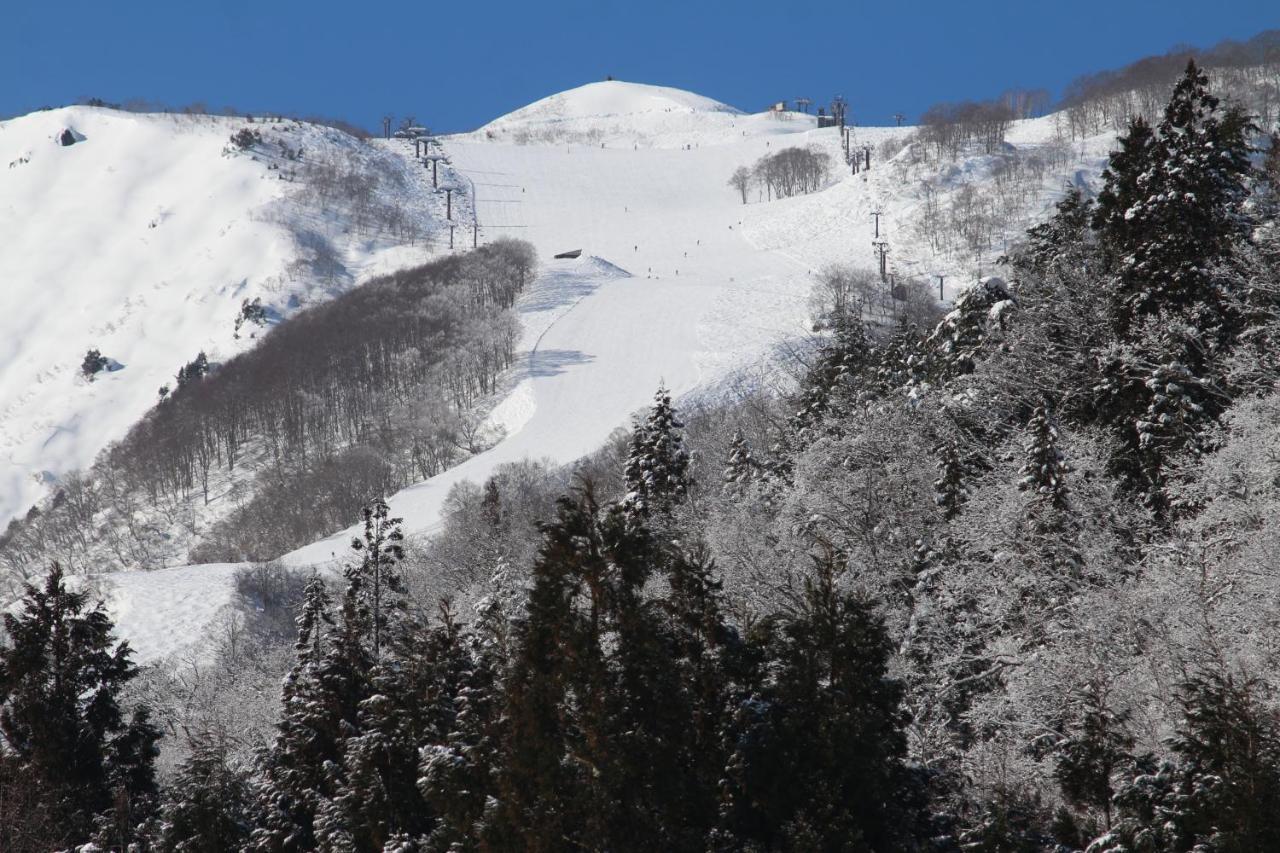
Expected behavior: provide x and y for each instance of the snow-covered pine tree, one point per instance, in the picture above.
(1044, 469)
(975, 325)
(657, 468)
(1059, 239)
(319, 706)
(456, 773)
(1184, 213)
(1183, 398)
(741, 467)
(64, 737)
(1051, 536)
(1096, 748)
(901, 361)
(206, 805)
(950, 490)
(831, 382)
(1222, 793)
(375, 582)
(1126, 181)
(417, 696)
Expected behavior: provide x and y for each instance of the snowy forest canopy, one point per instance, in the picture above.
(1008, 583)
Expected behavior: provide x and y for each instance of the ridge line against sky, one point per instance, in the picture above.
(459, 66)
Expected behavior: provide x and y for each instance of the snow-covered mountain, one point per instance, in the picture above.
(142, 239)
(679, 282)
(615, 114)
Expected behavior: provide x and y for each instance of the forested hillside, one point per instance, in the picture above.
(1004, 582)
(360, 395)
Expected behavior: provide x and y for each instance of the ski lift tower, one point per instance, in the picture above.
(839, 110)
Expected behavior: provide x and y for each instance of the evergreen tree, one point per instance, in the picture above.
(973, 328)
(1044, 471)
(94, 363)
(413, 710)
(1126, 183)
(741, 467)
(67, 741)
(374, 585)
(597, 729)
(1268, 192)
(194, 370)
(1184, 210)
(206, 806)
(833, 382)
(533, 779)
(457, 773)
(949, 490)
(1061, 238)
(817, 745)
(320, 704)
(1094, 751)
(1221, 794)
(901, 361)
(1009, 822)
(657, 468)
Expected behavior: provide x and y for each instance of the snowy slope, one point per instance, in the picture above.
(141, 240)
(679, 282)
(617, 114)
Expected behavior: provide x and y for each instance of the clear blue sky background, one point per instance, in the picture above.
(458, 63)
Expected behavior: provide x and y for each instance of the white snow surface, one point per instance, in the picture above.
(616, 114)
(679, 282)
(141, 241)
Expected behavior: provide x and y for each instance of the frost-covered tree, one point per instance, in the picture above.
(1174, 206)
(741, 467)
(742, 180)
(1221, 792)
(66, 741)
(1061, 238)
(657, 467)
(950, 490)
(206, 805)
(1044, 469)
(375, 582)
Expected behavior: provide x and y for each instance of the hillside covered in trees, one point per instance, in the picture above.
(360, 395)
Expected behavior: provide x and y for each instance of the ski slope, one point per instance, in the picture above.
(679, 282)
(668, 289)
(141, 240)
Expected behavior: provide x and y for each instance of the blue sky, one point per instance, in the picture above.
(459, 63)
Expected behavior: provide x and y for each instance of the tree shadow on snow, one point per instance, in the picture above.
(557, 288)
(553, 362)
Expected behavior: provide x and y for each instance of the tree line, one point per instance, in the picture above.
(785, 173)
(1110, 99)
(369, 391)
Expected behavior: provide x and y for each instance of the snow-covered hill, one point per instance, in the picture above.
(142, 240)
(679, 281)
(617, 114)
